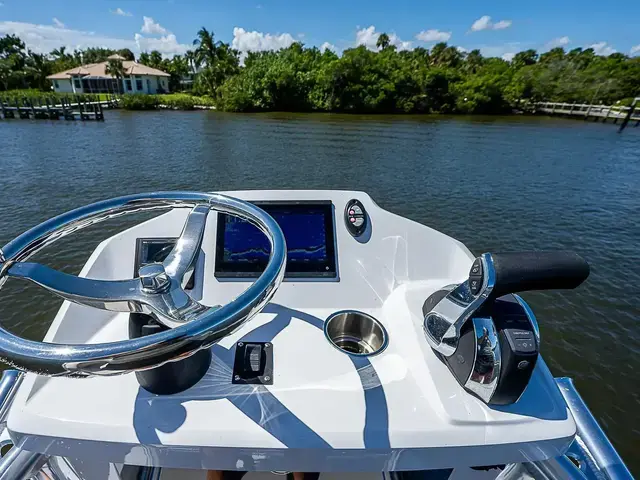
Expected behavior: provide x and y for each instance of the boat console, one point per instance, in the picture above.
(286, 330)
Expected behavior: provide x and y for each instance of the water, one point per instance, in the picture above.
(493, 183)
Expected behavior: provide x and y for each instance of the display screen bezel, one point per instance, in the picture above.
(253, 270)
(140, 261)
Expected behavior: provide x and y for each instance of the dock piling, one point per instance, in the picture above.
(629, 115)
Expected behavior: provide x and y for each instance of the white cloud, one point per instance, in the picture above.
(119, 11)
(501, 51)
(433, 36)
(508, 56)
(485, 23)
(58, 23)
(462, 50)
(167, 45)
(328, 46)
(257, 41)
(368, 37)
(152, 28)
(602, 48)
(635, 49)
(558, 42)
(44, 38)
(502, 24)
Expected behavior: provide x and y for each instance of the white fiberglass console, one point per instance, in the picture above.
(317, 408)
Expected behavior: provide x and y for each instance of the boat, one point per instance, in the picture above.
(276, 331)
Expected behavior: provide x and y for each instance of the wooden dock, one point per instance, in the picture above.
(615, 113)
(67, 109)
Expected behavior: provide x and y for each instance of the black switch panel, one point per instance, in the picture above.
(521, 341)
(475, 277)
(253, 364)
(355, 217)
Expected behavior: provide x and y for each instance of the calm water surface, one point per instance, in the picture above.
(493, 183)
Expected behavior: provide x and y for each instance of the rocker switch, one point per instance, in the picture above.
(253, 363)
(252, 358)
(355, 218)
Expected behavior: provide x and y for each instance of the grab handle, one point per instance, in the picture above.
(523, 271)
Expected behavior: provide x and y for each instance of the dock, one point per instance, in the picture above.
(67, 109)
(614, 113)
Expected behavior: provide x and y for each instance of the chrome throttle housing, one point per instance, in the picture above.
(486, 335)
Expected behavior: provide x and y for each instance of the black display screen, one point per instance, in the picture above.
(155, 250)
(243, 251)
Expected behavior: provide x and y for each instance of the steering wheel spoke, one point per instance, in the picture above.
(117, 296)
(185, 252)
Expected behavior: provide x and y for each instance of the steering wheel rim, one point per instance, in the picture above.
(114, 358)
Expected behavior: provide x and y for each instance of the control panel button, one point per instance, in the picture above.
(355, 217)
(476, 268)
(475, 284)
(253, 354)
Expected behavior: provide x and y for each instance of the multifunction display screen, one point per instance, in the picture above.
(243, 251)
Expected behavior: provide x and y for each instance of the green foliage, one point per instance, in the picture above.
(441, 80)
(139, 102)
(184, 101)
(38, 96)
(174, 101)
(297, 78)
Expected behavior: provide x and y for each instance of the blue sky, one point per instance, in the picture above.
(499, 28)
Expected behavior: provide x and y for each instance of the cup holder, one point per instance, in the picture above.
(356, 333)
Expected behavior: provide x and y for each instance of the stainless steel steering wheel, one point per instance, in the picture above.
(158, 290)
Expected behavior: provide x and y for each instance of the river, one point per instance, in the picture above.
(494, 183)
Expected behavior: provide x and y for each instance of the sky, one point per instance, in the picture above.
(498, 28)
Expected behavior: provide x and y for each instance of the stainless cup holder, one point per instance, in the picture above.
(356, 333)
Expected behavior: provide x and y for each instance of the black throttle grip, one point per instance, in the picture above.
(523, 271)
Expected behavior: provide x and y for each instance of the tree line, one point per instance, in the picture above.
(443, 79)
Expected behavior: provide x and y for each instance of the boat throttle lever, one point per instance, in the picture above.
(487, 336)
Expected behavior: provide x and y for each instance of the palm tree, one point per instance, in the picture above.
(37, 67)
(115, 68)
(144, 59)
(155, 59)
(383, 41)
(474, 61)
(206, 47)
(190, 56)
(59, 52)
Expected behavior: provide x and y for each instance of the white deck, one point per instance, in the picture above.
(326, 411)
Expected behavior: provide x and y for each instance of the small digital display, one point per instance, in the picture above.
(243, 251)
(155, 250)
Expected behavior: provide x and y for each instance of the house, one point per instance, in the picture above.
(92, 78)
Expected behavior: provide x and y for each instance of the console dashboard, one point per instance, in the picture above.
(242, 250)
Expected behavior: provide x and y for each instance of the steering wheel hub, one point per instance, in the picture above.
(154, 278)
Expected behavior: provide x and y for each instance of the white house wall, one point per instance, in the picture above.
(63, 86)
(152, 86)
